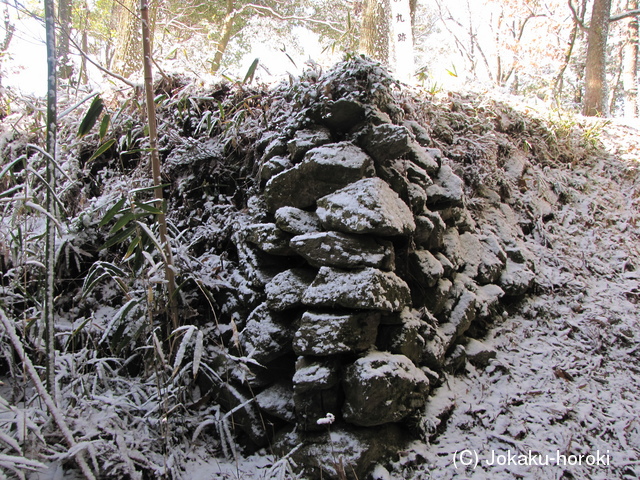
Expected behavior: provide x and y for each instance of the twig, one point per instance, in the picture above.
(46, 398)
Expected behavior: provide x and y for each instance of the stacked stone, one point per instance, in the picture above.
(372, 271)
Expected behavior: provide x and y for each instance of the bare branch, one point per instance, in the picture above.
(576, 18)
(273, 13)
(627, 14)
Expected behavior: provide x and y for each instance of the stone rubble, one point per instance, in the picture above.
(371, 270)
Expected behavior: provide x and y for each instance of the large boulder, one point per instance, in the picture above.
(366, 288)
(323, 334)
(342, 250)
(381, 387)
(516, 278)
(324, 170)
(425, 268)
(367, 206)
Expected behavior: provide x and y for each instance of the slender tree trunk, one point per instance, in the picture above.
(65, 68)
(50, 239)
(595, 74)
(227, 32)
(155, 161)
(630, 64)
(374, 37)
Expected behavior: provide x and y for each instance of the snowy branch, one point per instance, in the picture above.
(620, 16)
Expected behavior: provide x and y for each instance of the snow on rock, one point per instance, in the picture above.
(367, 288)
(286, 289)
(368, 206)
(516, 279)
(381, 387)
(425, 268)
(315, 374)
(277, 400)
(304, 140)
(297, 221)
(342, 250)
(447, 189)
(268, 238)
(323, 334)
(324, 170)
(266, 335)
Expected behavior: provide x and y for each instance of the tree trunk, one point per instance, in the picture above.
(227, 32)
(374, 36)
(50, 239)
(65, 67)
(630, 64)
(127, 57)
(595, 74)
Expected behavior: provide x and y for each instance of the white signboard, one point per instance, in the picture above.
(402, 40)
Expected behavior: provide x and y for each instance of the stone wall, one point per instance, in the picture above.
(369, 269)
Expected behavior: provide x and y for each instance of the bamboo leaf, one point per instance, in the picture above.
(113, 211)
(149, 208)
(90, 118)
(251, 72)
(197, 353)
(122, 221)
(183, 348)
(119, 316)
(103, 148)
(104, 125)
(119, 237)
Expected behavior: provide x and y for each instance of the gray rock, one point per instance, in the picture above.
(268, 238)
(387, 142)
(266, 337)
(286, 289)
(324, 170)
(359, 450)
(405, 338)
(417, 198)
(419, 132)
(277, 400)
(434, 352)
(257, 267)
(297, 221)
(488, 299)
(453, 248)
(434, 299)
(425, 268)
(315, 374)
(367, 206)
(446, 191)
(305, 140)
(456, 360)
(274, 166)
(277, 147)
(460, 318)
(430, 230)
(343, 114)
(342, 250)
(368, 288)
(312, 405)
(323, 334)
(381, 387)
(423, 157)
(516, 278)
(447, 266)
(484, 259)
(478, 353)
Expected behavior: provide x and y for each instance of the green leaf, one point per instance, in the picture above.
(103, 148)
(251, 72)
(122, 221)
(104, 125)
(119, 237)
(90, 118)
(113, 211)
(149, 208)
